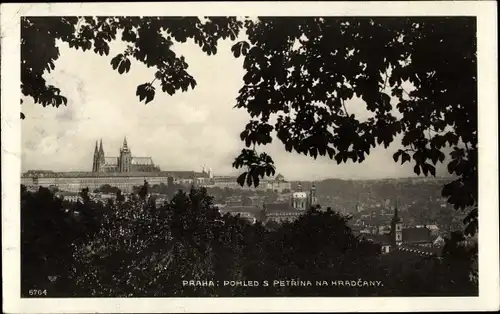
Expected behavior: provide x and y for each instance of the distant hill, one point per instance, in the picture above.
(420, 198)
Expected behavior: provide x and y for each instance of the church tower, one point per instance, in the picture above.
(313, 198)
(95, 161)
(396, 228)
(125, 157)
(101, 154)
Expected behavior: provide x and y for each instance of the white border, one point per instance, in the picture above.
(488, 158)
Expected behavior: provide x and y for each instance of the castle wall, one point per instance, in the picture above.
(76, 184)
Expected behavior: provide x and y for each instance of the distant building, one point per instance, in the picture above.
(123, 172)
(74, 181)
(251, 213)
(415, 240)
(69, 196)
(434, 229)
(293, 208)
(439, 241)
(125, 162)
(102, 197)
(277, 184)
(286, 211)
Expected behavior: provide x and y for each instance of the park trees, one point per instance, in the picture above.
(142, 250)
(415, 76)
(47, 233)
(321, 240)
(44, 232)
(127, 255)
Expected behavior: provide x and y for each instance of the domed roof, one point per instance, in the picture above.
(299, 195)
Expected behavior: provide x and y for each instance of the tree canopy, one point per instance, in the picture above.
(130, 248)
(416, 76)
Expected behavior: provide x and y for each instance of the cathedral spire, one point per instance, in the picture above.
(95, 163)
(125, 145)
(396, 216)
(101, 153)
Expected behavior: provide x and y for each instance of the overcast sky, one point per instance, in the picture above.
(180, 132)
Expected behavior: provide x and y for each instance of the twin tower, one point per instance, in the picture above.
(112, 164)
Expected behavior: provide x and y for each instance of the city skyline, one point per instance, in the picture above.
(233, 172)
(181, 132)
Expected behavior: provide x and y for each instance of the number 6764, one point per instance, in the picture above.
(37, 292)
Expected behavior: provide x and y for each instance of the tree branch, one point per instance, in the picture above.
(345, 109)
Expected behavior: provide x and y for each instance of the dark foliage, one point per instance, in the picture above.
(132, 249)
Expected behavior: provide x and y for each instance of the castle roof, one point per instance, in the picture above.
(142, 161)
(280, 177)
(111, 161)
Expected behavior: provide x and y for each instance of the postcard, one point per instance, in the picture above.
(249, 157)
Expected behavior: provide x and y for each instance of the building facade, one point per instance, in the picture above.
(292, 209)
(413, 239)
(125, 181)
(124, 172)
(277, 184)
(125, 162)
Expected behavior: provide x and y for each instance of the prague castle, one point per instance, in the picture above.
(124, 163)
(126, 171)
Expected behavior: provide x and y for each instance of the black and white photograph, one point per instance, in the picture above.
(230, 152)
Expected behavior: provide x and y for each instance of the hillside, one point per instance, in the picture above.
(418, 199)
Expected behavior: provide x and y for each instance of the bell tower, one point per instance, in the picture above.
(125, 157)
(396, 228)
(313, 198)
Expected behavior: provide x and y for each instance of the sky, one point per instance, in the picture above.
(185, 131)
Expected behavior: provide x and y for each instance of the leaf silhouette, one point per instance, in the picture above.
(241, 179)
(240, 48)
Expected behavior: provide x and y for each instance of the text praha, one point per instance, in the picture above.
(282, 283)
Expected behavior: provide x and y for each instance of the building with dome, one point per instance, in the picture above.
(294, 207)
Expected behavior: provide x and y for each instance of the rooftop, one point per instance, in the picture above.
(417, 235)
(89, 174)
(279, 207)
(142, 161)
(241, 209)
(384, 239)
